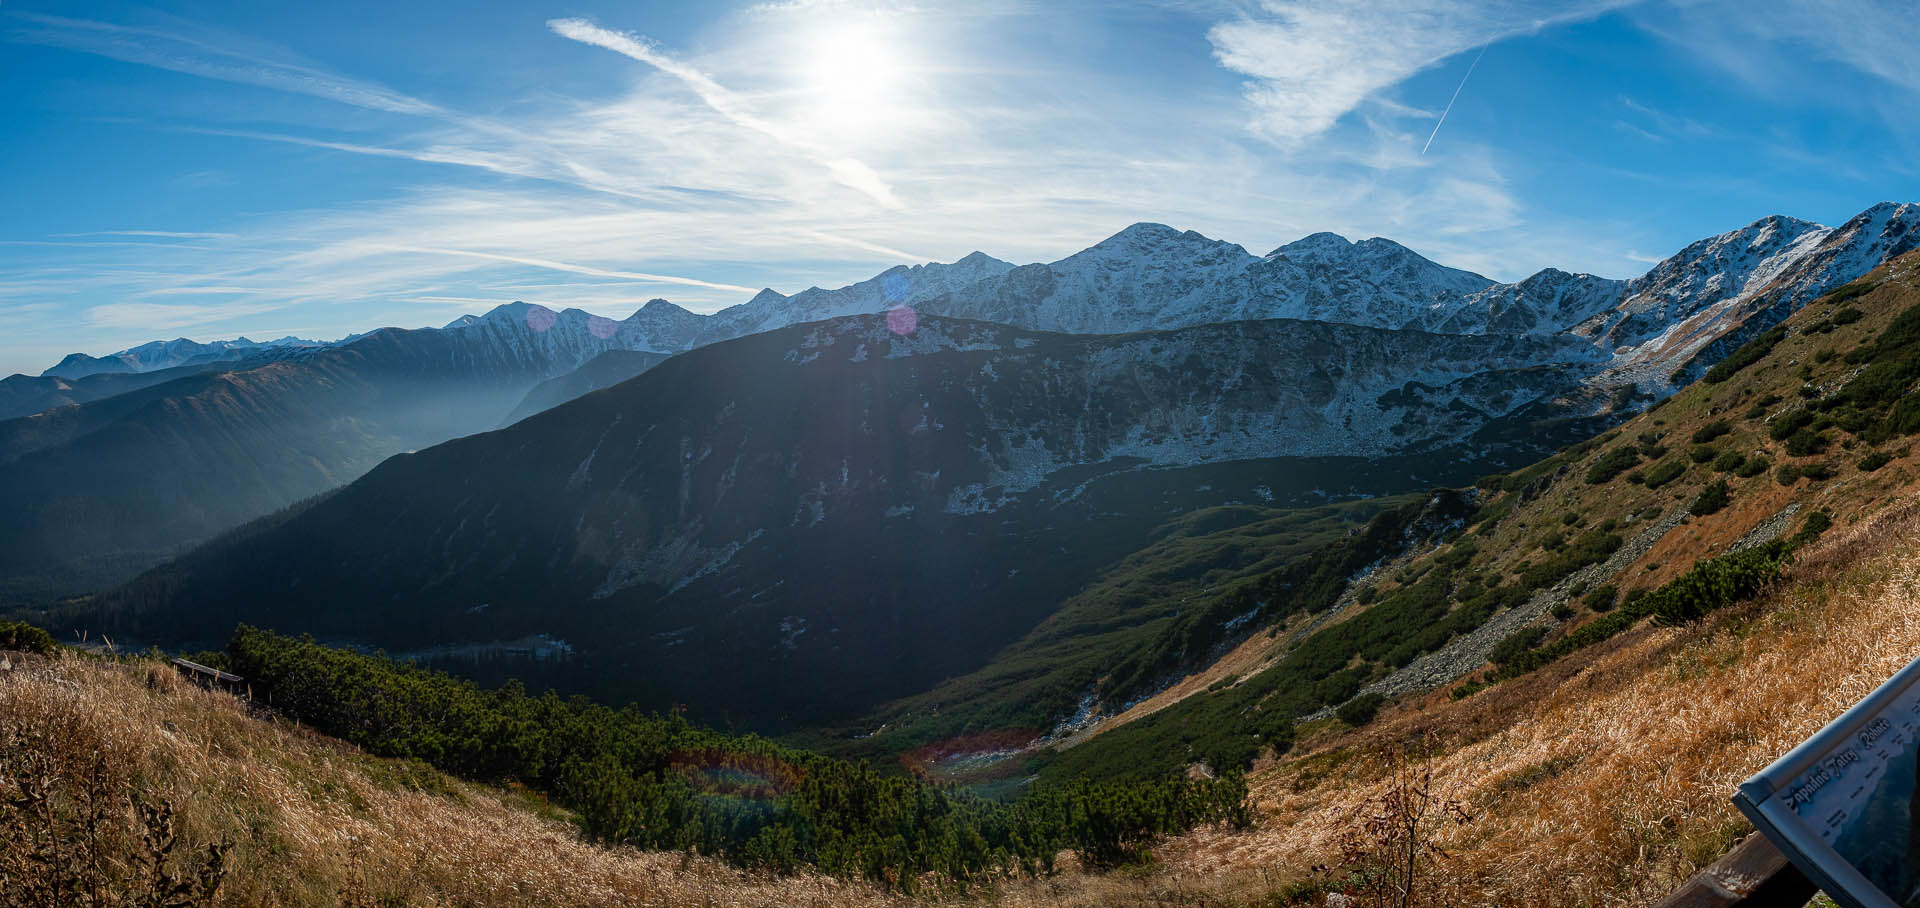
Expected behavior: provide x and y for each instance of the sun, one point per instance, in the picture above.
(851, 80)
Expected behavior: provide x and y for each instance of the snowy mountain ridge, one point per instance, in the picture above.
(156, 355)
(1724, 289)
(1151, 277)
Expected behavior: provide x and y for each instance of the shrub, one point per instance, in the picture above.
(1753, 467)
(1602, 598)
(1712, 499)
(659, 782)
(1360, 710)
(1805, 443)
(1874, 461)
(1711, 431)
(1703, 453)
(1748, 353)
(18, 635)
(1664, 472)
(1591, 547)
(1816, 471)
(1880, 393)
(1516, 645)
(1810, 529)
(1846, 292)
(1787, 475)
(1784, 425)
(1729, 462)
(1466, 690)
(1709, 585)
(1716, 583)
(1612, 463)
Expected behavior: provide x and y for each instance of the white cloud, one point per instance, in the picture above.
(164, 317)
(1313, 61)
(850, 172)
(552, 265)
(202, 57)
(166, 234)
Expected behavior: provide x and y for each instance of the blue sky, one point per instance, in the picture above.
(213, 168)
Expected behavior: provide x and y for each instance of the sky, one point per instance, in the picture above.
(213, 169)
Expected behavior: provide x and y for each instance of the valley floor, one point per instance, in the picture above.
(1600, 780)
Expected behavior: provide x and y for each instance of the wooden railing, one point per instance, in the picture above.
(1753, 875)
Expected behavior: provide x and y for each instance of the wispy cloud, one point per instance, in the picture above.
(1314, 61)
(850, 172)
(198, 56)
(168, 234)
(162, 317)
(1664, 126)
(551, 265)
(1766, 41)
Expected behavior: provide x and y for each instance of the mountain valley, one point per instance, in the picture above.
(338, 409)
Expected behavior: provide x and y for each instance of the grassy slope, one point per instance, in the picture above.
(1516, 529)
(1047, 672)
(310, 821)
(1604, 777)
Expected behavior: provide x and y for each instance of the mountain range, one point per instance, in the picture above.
(161, 355)
(798, 506)
(759, 489)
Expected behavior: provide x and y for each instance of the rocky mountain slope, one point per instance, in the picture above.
(793, 510)
(1695, 307)
(1805, 427)
(602, 371)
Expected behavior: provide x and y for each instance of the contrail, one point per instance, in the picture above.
(1456, 97)
(850, 172)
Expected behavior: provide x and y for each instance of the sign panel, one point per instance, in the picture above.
(1842, 805)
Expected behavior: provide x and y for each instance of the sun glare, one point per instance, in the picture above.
(852, 77)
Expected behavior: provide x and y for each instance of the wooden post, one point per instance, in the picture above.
(1753, 875)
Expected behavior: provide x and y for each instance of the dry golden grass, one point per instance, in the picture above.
(1605, 780)
(312, 821)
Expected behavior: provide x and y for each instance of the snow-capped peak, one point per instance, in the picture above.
(1314, 246)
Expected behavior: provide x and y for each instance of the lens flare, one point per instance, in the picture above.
(895, 286)
(541, 319)
(601, 327)
(902, 320)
